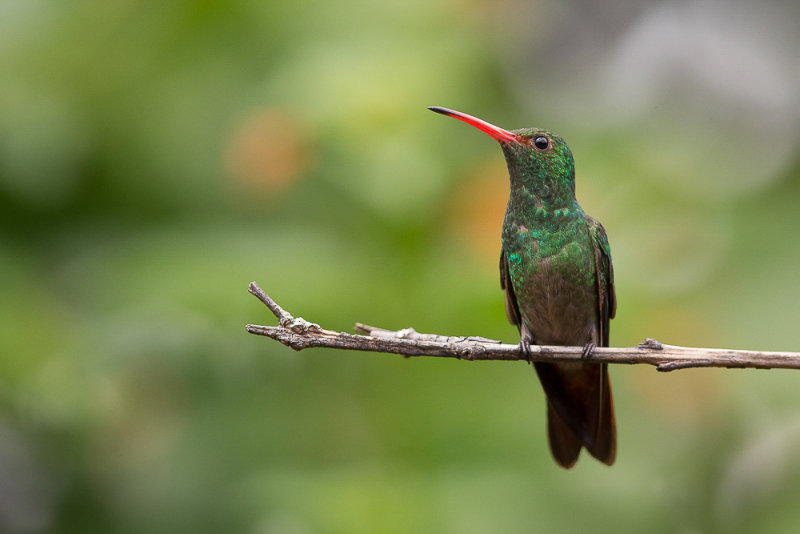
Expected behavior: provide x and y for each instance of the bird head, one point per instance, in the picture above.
(537, 159)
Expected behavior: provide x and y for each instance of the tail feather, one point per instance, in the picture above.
(563, 443)
(605, 443)
(580, 411)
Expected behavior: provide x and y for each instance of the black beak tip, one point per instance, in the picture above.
(437, 109)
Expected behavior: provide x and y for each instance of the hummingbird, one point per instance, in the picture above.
(556, 272)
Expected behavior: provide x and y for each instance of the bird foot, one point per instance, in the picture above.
(588, 351)
(525, 348)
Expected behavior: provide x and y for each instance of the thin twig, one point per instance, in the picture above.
(299, 334)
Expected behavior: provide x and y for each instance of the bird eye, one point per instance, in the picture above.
(541, 142)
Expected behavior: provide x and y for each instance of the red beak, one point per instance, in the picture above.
(503, 136)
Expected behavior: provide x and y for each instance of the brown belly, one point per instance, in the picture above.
(557, 311)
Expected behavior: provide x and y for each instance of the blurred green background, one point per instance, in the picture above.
(157, 157)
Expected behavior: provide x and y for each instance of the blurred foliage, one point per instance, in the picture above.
(157, 157)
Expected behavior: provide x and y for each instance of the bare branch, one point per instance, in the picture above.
(299, 334)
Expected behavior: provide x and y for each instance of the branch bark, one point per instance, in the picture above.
(300, 334)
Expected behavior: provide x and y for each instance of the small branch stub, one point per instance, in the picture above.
(300, 334)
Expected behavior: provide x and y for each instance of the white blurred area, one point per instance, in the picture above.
(723, 77)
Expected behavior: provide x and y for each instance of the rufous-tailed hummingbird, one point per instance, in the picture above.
(555, 269)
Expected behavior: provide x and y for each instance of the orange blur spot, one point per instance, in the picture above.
(475, 214)
(267, 152)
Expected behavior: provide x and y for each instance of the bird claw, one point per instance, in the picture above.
(525, 348)
(588, 351)
(298, 325)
